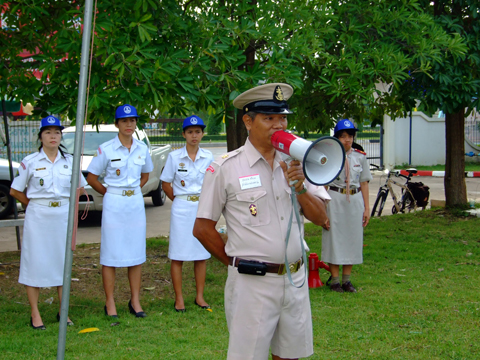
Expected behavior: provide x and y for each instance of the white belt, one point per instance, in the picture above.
(50, 203)
(124, 192)
(193, 198)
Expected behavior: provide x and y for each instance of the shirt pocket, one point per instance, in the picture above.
(356, 172)
(139, 161)
(42, 179)
(254, 207)
(116, 168)
(65, 177)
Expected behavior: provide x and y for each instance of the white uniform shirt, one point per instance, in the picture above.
(45, 179)
(359, 171)
(186, 175)
(123, 168)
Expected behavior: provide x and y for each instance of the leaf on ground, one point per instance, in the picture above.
(400, 275)
(88, 330)
(149, 288)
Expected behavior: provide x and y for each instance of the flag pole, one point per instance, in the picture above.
(82, 86)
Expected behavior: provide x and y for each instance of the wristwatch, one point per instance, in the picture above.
(303, 191)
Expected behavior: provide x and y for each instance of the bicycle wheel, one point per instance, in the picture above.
(408, 204)
(379, 203)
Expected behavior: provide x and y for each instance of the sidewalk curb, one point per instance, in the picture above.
(468, 174)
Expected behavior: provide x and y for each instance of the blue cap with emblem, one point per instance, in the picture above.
(50, 121)
(193, 121)
(344, 124)
(125, 111)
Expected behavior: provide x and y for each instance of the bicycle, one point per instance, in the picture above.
(407, 200)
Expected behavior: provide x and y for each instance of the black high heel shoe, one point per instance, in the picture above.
(106, 313)
(139, 314)
(69, 323)
(178, 310)
(41, 327)
(205, 307)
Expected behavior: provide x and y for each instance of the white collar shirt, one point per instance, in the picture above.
(123, 168)
(45, 179)
(185, 175)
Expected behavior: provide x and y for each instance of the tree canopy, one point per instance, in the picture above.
(166, 56)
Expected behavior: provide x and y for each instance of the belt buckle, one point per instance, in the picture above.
(128, 193)
(54, 204)
(193, 198)
(293, 267)
(343, 191)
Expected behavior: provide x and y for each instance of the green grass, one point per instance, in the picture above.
(418, 299)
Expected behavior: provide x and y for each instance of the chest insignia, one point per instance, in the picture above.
(253, 209)
(41, 182)
(65, 166)
(181, 165)
(118, 172)
(182, 182)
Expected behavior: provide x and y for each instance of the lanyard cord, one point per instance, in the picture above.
(304, 254)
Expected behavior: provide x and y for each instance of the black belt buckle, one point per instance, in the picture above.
(252, 267)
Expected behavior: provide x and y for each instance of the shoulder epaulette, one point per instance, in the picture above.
(361, 152)
(30, 157)
(225, 157)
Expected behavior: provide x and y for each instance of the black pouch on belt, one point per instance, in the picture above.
(252, 267)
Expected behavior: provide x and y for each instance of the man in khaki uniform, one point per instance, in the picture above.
(249, 186)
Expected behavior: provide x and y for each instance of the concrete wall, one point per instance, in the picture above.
(427, 143)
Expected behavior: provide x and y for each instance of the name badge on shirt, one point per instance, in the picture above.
(250, 181)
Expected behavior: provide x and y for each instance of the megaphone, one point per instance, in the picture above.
(322, 159)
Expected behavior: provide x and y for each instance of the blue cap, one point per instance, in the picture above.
(125, 111)
(50, 121)
(193, 121)
(344, 124)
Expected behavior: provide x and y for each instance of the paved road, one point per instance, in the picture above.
(158, 218)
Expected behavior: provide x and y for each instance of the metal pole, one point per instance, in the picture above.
(410, 141)
(67, 273)
(9, 155)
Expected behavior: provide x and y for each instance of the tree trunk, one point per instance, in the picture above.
(236, 131)
(455, 187)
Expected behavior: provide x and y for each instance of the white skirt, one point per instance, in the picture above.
(343, 243)
(42, 257)
(124, 231)
(183, 246)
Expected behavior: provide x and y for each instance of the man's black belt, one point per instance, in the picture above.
(267, 267)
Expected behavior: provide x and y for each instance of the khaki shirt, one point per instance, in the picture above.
(359, 171)
(256, 204)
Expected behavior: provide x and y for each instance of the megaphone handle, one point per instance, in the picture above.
(290, 183)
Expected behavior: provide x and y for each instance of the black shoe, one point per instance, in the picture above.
(206, 307)
(179, 310)
(348, 287)
(41, 327)
(69, 323)
(106, 313)
(336, 287)
(139, 314)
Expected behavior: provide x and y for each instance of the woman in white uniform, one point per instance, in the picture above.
(348, 211)
(126, 163)
(182, 180)
(46, 175)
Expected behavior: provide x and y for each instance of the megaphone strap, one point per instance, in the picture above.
(304, 254)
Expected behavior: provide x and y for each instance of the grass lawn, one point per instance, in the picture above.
(418, 298)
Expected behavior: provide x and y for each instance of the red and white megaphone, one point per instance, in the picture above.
(322, 159)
